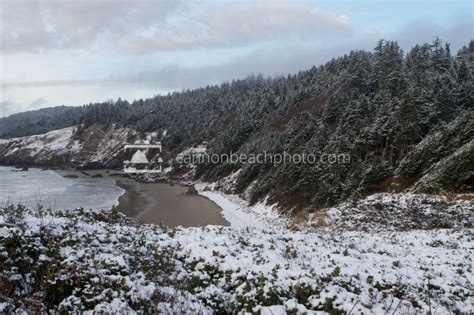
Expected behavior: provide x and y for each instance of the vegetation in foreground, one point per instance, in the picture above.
(82, 260)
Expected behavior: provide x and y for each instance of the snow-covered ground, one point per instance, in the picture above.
(58, 141)
(238, 212)
(67, 146)
(403, 211)
(102, 261)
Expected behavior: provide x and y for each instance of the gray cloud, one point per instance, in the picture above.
(273, 38)
(244, 23)
(7, 108)
(274, 61)
(38, 103)
(37, 26)
(270, 61)
(148, 26)
(457, 34)
(32, 84)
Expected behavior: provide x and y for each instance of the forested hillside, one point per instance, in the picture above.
(39, 121)
(405, 119)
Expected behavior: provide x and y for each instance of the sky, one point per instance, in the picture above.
(74, 52)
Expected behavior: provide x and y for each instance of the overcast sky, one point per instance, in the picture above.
(81, 51)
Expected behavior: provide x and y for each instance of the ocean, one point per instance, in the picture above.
(54, 191)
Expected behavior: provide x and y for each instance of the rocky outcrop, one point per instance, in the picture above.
(191, 190)
(56, 147)
(89, 148)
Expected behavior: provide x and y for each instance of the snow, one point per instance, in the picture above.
(273, 310)
(75, 146)
(403, 211)
(167, 170)
(125, 267)
(191, 153)
(430, 180)
(112, 143)
(238, 212)
(199, 149)
(57, 140)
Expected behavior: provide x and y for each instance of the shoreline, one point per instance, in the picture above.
(131, 202)
(170, 203)
(165, 203)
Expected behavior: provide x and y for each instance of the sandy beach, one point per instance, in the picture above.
(163, 203)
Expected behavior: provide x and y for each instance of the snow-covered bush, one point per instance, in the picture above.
(85, 261)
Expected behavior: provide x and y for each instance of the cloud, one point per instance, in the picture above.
(147, 26)
(10, 106)
(6, 108)
(270, 61)
(38, 103)
(244, 23)
(81, 51)
(38, 26)
(32, 84)
(457, 33)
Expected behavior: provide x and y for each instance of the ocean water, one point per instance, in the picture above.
(52, 190)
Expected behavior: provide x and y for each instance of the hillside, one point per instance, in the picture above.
(405, 120)
(39, 121)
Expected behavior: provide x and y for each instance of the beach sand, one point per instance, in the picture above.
(163, 203)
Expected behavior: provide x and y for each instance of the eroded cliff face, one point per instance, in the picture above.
(72, 146)
(54, 147)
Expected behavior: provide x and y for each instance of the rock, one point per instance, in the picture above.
(70, 176)
(117, 174)
(92, 166)
(191, 190)
(25, 169)
(97, 175)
